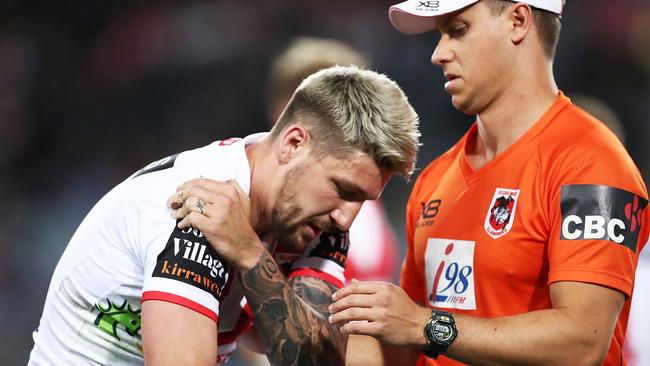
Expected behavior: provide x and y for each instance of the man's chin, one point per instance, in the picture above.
(296, 242)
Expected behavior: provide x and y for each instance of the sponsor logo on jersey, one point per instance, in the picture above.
(157, 165)
(189, 258)
(449, 268)
(429, 212)
(501, 214)
(597, 212)
(332, 246)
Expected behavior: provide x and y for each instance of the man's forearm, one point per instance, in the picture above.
(577, 330)
(542, 337)
(292, 318)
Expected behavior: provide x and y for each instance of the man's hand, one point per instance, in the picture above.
(381, 310)
(221, 211)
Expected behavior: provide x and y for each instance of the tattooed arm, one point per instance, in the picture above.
(291, 316)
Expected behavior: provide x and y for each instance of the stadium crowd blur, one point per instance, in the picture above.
(91, 91)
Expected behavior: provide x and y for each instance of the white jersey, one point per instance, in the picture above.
(128, 249)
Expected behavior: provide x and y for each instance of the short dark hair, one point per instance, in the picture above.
(547, 23)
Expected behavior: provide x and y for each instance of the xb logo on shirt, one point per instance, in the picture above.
(429, 212)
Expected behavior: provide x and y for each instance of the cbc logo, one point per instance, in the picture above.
(598, 212)
(593, 227)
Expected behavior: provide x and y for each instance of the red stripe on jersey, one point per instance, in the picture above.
(310, 272)
(244, 323)
(248, 311)
(175, 299)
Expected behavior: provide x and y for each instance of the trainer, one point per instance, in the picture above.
(523, 238)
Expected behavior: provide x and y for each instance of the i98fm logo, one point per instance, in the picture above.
(449, 268)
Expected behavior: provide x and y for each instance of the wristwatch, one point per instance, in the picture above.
(440, 331)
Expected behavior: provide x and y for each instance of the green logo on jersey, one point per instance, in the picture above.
(112, 316)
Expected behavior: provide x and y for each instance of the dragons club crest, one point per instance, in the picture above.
(501, 212)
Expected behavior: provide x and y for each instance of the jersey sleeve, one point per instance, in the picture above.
(324, 258)
(183, 268)
(410, 280)
(598, 218)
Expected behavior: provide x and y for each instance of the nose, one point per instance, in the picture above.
(345, 214)
(441, 54)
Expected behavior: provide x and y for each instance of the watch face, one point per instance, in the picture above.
(442, 331)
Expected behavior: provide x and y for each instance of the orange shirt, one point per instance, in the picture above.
(563, 203)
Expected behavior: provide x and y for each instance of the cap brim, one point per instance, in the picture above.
(414, 16)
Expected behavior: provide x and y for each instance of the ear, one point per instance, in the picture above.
(293, 140)
(521, 19)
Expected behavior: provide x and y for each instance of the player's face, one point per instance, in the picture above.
(473, 52)
(319, 195)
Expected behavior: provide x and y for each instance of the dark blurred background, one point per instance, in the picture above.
(91, 91)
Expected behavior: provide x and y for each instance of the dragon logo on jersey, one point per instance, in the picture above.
(501, 211)
(111, 316)
(500, 216)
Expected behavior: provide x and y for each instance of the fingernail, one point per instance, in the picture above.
(329, 319)
(334, 296)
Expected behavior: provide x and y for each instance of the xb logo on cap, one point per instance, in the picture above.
(429, 4)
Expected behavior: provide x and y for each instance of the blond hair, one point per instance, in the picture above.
(347, 109)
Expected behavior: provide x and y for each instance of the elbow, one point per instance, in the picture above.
(589, 360)
(331, 344)
(594, 358)
(318, 348)
(592, 353)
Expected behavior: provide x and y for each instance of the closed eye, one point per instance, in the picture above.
(458, 31)
(349, 192)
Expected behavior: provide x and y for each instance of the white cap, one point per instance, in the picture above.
(419, 16)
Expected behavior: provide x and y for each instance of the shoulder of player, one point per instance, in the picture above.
(579, 145)
(575, 127)
(582, 137)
